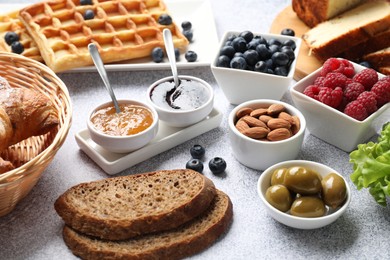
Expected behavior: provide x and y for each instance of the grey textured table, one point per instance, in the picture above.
(33, 229)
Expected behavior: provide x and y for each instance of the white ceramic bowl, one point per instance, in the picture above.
(244, 85)
(300, 222)
(332, 125)
(183, 118)
(124, 144)
(258, 154)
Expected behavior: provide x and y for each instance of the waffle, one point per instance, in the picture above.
(121, 29)
(10, 22)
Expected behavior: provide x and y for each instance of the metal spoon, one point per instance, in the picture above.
(97, 60)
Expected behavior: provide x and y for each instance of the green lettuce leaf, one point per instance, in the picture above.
(371, 165)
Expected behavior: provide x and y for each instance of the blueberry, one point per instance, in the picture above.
(188, 34)
(186, 25)
(247, 35)
(231, 37)
(251, 57)
(228, 43)
(261, 66)
(254, 43)
(177, 54)
(11, 37)
(263, 51)
(273, 48)
(17, 47)
(281, 71)
(280, 58)
(223, 61)
(288, 31)
(273, 41)
(165, 19)
(365, 64)
(89, 14)
(197, 151)
(85, 2)
(228, 51)
(195, 164)
(238, 63)
(290, 43)
(217, 165)
(191, 56)
(290, 53)
(270, 64)
(239, 44)
(157, 54)
(239, 54)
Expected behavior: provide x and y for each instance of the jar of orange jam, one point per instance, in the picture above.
(132, 119)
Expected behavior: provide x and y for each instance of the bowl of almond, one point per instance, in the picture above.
(263, 132)
(354, 101)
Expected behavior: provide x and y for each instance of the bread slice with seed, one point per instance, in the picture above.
(186, 240)
(123, 207)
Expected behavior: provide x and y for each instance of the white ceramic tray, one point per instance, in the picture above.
(167, 138)
(205, 42)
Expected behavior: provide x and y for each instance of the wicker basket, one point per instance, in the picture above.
(32, 156)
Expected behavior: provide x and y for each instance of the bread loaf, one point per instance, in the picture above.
(337, 35)
(184, 241)
(313, 12)
(379, 58)
(123, 207)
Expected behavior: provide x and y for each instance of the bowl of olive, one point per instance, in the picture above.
(303, 194)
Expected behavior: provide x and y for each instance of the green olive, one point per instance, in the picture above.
(308, 207)
(334, 190)
(278, 176)
(279, 197)
(303, 181)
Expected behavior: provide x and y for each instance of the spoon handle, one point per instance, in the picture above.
(102, 72)
(167, 35)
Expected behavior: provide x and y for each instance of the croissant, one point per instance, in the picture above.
(23, 113)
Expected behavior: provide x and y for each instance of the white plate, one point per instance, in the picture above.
(205, 41)
(167, 138)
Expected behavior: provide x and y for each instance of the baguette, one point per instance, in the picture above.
(337, 35)
(123, 207)
(184, 241)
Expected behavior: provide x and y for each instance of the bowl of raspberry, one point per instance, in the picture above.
(343, 102)
(251, 65)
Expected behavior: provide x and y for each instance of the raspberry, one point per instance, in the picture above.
(319, 81)
(353, 90)
(356, 110)
(331, 97)
(368, 99)
(382, 91)
(312, 91)
(337, 65)
(334, 79)
(367, 77)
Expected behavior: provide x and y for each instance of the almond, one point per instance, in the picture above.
(243, 112)
(275, 123)
(286, 116)
(252, 122)
(275, 109)
(296, 126)
(241, 125)
(258, 112)
(279, 134)
(256, 132)
(265, 118)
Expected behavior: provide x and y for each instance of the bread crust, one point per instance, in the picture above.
(168, 215)
(311, 12)
(173, 246)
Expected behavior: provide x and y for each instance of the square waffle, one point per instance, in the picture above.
(11, 23)
(121, 29)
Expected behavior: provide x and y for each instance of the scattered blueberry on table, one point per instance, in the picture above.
(195, 164)
(165, 19)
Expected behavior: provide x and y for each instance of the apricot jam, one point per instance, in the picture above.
(131, 120)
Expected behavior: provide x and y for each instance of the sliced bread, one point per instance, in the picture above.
(379, 58)
(184, 241)
(123, 207)
(337, 35)
(313, 12)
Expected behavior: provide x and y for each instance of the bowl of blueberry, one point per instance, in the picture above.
(354, 101)
(255, 66)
